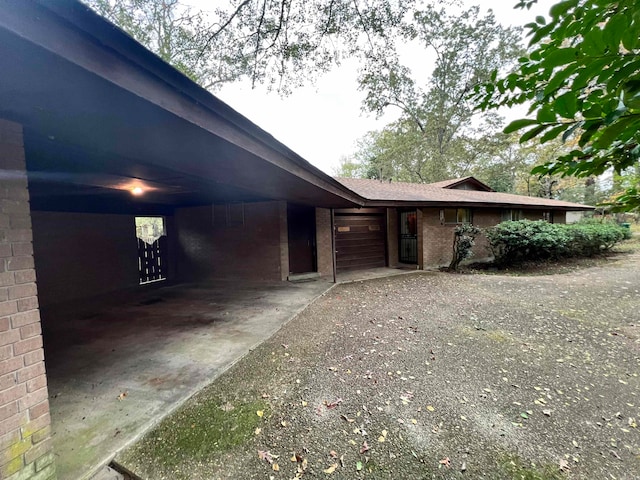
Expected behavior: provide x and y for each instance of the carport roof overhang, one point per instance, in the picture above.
(102, 114)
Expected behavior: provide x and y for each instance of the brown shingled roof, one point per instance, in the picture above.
(457, 181)
(392, 193)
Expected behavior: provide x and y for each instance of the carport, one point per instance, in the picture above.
(104, 132)
(118, 363)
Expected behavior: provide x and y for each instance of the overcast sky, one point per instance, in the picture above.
(322, 122)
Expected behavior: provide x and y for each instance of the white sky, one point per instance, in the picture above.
(322, 122)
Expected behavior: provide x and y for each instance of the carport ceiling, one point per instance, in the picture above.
(87, 140)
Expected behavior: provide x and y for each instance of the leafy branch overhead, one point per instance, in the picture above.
(280, 43)
(582, 79)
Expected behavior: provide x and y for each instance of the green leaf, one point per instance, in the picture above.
(593, 42)
(612, 132)
(545, 114)
(561, 56)
(535, 131)
(566, 105)
(554, 132)
(613, 31)
(559, 79)
(590, 70)
(519, 124)
(561, 8)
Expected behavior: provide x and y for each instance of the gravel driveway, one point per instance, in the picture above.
(427, 375)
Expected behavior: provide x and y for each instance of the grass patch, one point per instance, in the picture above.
(203, 429)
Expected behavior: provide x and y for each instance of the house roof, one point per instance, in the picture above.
(399, 193)
(456, 182)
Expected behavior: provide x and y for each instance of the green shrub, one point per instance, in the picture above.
(512, 242)
(463, 241)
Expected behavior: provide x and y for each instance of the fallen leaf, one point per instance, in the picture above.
(564, 465)
(266, 456)
(547, 412)
(430, 408)
(331, 469)
(333, 404)
(257, 431)
(260, 413)
(446, 462)
(347, 419)
(275, 467)
(333, 454)
(122, 396)
(358, 466)
(364, 447)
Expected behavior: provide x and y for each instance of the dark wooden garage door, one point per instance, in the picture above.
(360, 239)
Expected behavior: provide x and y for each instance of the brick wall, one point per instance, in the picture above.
(323, 242)
(248, 250)
(80, 255)
(25, 444)
(438, 238)
(392, 237)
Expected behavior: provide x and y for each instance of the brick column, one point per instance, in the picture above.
(423, 239)
(323, 242)
(392, 237)
(25, 444)
(284, 240)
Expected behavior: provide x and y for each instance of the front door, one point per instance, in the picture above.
(408, 238)
(301, 223)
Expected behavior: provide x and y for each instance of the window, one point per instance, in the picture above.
(512, 215)
(547, 216)
(151, 233)
(455, 215)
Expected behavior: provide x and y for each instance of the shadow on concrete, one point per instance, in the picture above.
(118, 364)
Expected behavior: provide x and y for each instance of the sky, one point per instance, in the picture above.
(322, 122)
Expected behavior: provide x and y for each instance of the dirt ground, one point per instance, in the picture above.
(428, 375)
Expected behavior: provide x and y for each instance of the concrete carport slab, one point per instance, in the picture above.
(118, 364)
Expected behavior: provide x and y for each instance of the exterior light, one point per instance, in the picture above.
(137, 191)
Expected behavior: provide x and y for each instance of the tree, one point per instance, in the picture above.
(438, 133)
(582, 80)
(282, 43)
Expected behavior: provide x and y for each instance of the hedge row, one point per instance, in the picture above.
(512, 242)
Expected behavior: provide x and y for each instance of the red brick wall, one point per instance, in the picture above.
(251, 250)
(25, 444)
(80, 255)
(438, 238)
(323, 242)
